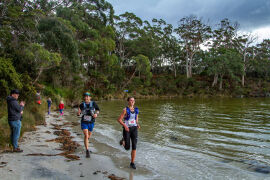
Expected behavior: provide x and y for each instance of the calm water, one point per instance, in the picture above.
(192, 138)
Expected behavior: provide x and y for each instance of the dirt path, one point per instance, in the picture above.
(51, 153)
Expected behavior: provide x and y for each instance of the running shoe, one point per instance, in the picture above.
(132, 165)
(87, 154)
(121, 142)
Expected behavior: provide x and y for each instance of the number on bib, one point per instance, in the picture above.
(87, 118)
(131, 122)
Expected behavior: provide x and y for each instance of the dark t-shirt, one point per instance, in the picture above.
(87, 105)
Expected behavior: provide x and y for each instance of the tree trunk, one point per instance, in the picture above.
(187, 69)
(96, 67)
(121, 54)
(221, 81)
(187, 63)
(175, 71)
(243, 75)
(215, 80)
(39, 73)
(190, 67)
(129, 79)
(243, 80)
(174, 67)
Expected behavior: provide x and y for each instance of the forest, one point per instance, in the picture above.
(66, 47)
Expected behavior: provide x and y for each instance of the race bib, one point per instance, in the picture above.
(87, 118)
(131, 122)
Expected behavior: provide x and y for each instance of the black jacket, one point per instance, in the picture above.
(14, 109)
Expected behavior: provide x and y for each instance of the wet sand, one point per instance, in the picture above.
(47, 157)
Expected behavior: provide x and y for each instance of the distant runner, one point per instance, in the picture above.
(49, 101)
(61, 108)
(89, 110)
(38, 97)
(130, 128)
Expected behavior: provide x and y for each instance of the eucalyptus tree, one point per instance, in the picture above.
(9, 78)
(18, 22)
(42, 58)
(224, 62)
(261, 61)
(57, 37)
(193, 34)
(223, 37)
(101, 12)
(141, 65)
(244, 43)
(151, 42)
(171, 48)
(127, 28)
(93, 32)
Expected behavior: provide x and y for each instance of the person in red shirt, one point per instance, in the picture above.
(61, 107)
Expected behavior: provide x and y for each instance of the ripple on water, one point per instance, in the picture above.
(191, 137)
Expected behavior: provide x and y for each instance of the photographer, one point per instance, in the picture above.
(15, 111)
(89, 110)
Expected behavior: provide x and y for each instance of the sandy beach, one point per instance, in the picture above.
(44, 157)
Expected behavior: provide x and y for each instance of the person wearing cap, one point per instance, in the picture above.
(89, 110)
(15, 111)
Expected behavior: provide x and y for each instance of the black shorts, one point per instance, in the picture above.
(131, 135)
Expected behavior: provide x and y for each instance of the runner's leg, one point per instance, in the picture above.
(85, 132)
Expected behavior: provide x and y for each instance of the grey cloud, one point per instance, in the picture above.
(251, 14)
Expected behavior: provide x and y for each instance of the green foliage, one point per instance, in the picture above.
(193, 33)
(10, 79)
(59, 38)
(42, 57)
(57, 94)
(28, 90)
(33, 115)
(75, 46)
(4, 130)
(143, 67)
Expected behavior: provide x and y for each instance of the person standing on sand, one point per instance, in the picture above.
(61, 108)
(89, 110)
(49, 101)
(15, 111)
(130, 125)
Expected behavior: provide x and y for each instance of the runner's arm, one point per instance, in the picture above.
(79, 111)
(96, 108)
(120, 120)
(137, 121)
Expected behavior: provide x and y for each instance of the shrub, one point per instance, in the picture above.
(33, 115)
(10, 79)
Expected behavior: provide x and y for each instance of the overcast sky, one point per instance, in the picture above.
(253, 15)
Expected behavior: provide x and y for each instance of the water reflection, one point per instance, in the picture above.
(198, 134)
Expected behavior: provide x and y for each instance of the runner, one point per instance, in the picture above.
(38, 97)
(130, 128)
(49, 101)
(89, 110)
(61, 108)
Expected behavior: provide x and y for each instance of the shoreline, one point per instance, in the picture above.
(202, 96)
(42, 157)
